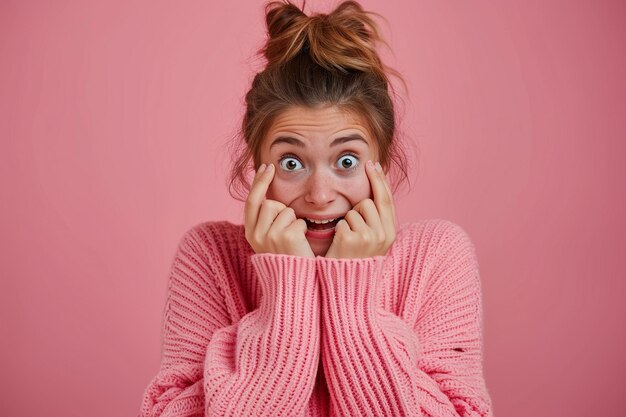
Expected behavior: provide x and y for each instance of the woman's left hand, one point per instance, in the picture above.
(369, 228)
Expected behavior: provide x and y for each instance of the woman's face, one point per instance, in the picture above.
(320, 157)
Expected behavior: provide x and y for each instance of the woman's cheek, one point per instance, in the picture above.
(282, 190)
(358, 188)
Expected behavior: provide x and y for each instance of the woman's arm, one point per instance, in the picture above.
(265, 364)
(377, 364)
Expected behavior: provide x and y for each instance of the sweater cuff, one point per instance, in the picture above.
(351, 284)
(285, 276)
(269, 265)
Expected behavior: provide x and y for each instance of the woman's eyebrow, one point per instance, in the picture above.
(300, 144)
(287, 139)
(344, 139)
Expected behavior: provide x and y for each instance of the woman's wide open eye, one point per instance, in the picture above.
(348, 162)
(290, 163)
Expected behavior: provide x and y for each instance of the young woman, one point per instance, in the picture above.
(319, 305)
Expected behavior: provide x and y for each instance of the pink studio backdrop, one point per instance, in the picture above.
(113, 122)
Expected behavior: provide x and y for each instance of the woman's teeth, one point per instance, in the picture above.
(321, 221)
(322, 224)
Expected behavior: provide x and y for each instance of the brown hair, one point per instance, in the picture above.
(317, 60)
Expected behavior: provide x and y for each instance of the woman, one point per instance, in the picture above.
(316, 305)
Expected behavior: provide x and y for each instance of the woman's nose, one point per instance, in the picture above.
(320, 189)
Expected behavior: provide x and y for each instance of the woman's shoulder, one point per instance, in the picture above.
(217, 228)
(433, 249)
(216, 239)
(433, 235)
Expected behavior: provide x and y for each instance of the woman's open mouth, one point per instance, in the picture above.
(321, 229)
(322, 224)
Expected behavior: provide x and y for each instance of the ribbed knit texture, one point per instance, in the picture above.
(248, 334)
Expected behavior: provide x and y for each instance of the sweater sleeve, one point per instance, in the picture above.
(264, 364)
(377, 364)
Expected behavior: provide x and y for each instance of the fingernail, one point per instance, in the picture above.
(270, 167)
(261, 168)
(378, 167)
(370, 163)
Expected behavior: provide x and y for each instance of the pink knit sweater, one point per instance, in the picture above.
(248, 334)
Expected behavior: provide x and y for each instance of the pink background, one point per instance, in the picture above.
(114, 120)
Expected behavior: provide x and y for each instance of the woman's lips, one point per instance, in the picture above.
(320, 234)
(322, 231)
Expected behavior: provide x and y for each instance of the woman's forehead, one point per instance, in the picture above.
(325, 123)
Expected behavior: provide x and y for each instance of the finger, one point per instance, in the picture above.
(342, 235)
(250, 199)
(298, 225)
(355, 221)
(282, 220)
(341, 228)
(388, 187)
(388, 221)
(383, 199)
(367, 209)
(259, 188)
(267, 215)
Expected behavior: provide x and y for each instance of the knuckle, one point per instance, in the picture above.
(272, 237)
(290, 238)
(276, 205)
(346, 238)
(267, 206)
(257, 238)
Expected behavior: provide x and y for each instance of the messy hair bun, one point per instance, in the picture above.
(311, 61)
(343, 40)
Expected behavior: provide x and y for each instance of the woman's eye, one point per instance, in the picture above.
(348, 162)
(290, 164)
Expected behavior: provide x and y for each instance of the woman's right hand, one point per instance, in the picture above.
(271, 226)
